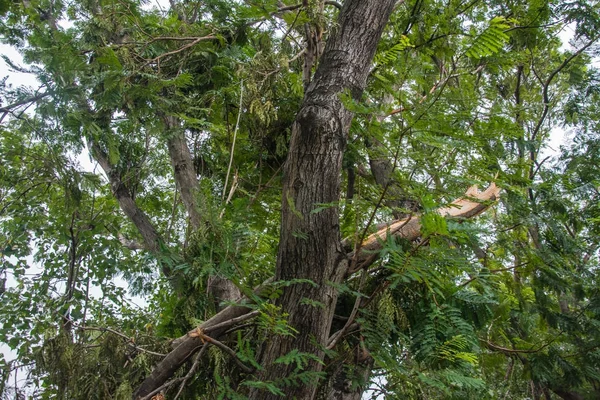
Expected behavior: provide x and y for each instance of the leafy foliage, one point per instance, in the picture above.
(503, 306)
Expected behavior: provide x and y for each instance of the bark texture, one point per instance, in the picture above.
(122, 193)
(183, 167)
(310, 246)
(218, 287)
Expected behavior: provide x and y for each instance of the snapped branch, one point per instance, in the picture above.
(472, 204)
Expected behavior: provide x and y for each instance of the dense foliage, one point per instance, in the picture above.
(110, 255)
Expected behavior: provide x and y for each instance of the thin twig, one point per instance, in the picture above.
(339, 334)
(207, 339)
(237, 125)
(545, 95)
(187, 376)
(26, 100)
(159, 389)
(233, 321)
(179, 50)
(129, 340)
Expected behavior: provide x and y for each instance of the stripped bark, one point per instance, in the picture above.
(469, 206)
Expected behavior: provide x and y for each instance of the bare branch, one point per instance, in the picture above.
(26, 100)
(183, 167)
(469, 206)
(191, 371)
(179, 50)
(188, 345)
(333, 3)
(121, 192)
(546, 97)
(235, 131)
(339, 334)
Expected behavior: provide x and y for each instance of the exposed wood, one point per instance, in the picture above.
(469, 206)
(187, 345)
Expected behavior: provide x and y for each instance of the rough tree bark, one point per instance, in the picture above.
(218, 287)
(310, 246)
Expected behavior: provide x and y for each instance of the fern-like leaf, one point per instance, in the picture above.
(491, 40)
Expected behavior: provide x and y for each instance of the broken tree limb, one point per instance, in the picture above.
(189, 344)
(470, 205)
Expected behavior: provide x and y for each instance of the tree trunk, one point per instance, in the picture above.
(310, 246)
(219, 287)
(184, 172)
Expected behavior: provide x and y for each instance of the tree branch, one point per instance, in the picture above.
(26, 100)
(546, 98)
(471, 205)
(130, 341)
(183, 168)
(188, 345)
(122, 193)
(179, 50)
(200, 334)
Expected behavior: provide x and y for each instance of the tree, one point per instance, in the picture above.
(293, 190)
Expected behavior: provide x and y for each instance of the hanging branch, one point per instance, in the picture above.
(339, 334)
(28, 100)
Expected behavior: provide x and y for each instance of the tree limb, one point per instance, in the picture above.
(26, 100)
(188, 345)
(152, 239)
(130, 341)
(199, 333)
(471, 205)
